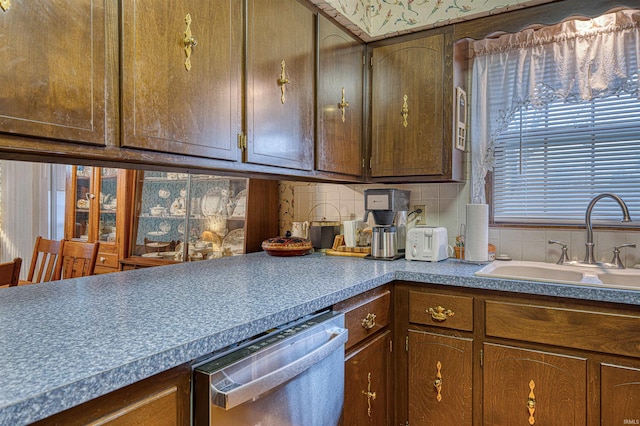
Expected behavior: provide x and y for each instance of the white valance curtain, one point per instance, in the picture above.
(576, 60)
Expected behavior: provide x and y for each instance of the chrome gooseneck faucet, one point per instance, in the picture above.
(589, 258)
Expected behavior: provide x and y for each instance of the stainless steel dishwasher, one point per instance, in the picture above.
(291, 376)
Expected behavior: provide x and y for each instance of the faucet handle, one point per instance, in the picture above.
(616, 255)
(564, 256)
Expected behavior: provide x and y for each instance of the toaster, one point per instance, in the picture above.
(427, 243)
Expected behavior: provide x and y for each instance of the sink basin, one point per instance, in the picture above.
(532, 271)
(620, 278)
(564, 274)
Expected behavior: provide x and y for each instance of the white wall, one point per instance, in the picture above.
(25, 208)
(446, 206)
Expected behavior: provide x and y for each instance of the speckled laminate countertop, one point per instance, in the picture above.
(67, 342)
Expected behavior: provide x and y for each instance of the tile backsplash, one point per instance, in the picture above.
(446, 206)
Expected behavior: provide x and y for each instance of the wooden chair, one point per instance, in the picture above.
(10, 272)
(76, 259)
(43, 262)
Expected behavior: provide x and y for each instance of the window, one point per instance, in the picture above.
(550, 161)
(556, 116)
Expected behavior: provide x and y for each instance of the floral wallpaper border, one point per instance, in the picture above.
(375, 19)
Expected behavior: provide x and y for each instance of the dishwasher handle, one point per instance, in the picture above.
(228, 399)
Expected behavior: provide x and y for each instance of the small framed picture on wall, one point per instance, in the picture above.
(461, 119)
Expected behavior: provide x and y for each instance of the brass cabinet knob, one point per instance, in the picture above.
(189, 42)
(369, 322)
(439, 313)
(531, 403)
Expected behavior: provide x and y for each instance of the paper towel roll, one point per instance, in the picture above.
(476, 240)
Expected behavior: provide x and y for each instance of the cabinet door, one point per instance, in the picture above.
(440, 379)
(97, 209)
(367, 386)
(160, 400)
(407, 108)
(53, 60)
(620, 395)
(525, 386)
(178, 98)
(280, 61)
(339, 139)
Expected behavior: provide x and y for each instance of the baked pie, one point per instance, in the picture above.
(287, 246)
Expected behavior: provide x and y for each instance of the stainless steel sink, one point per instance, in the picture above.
(564, 274)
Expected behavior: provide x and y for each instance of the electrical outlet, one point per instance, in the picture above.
(421, 218)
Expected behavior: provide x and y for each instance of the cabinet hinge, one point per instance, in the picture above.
(364, 60)
(371, 61)
(481, 357)
(370, 162)
(406, 343)
(242, 141)
(390, 345)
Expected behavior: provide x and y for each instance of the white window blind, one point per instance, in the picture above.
(552, 160)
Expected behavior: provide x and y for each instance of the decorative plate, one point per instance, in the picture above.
(155, 254)
(213, 203)
(234, 241)
(165, 226)
(240, 203)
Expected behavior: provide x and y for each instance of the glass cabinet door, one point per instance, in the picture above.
(81, 187)
(106, 198)
(187, 217)
(93, 204)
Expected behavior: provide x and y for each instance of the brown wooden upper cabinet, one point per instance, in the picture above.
(280, 84)
(340, 79)
(411, 110)
(181, 77)
(53, 60)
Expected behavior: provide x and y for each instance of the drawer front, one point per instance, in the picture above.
(441, 310)
(364, 317)
(606, 332)
(108, 260)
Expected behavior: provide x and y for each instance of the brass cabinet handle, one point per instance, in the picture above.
(189, 42)
(282, 81)
(370, 395)
(438, 382)
(5, 4)
(439, 313)
(343, 105)
(405, 111)
(369, 322)
(531, 403)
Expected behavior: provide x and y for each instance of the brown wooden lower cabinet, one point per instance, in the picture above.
(160, 400)
(367, 390)
(368, 360)
(497, 358)
(620, 395)
(440, 379)
(532, 387)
